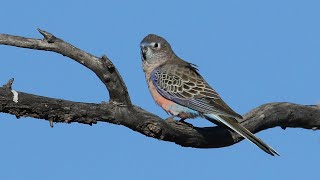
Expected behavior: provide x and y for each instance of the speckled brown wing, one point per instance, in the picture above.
(185, 86)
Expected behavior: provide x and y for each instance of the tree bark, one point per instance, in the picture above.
(119, 110)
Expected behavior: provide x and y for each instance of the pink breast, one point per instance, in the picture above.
(161, 101)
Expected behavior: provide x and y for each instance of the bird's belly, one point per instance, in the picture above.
(182, 111)
(170, 106)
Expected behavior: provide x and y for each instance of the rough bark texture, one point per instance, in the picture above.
(120, 110)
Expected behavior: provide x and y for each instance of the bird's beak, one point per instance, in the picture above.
(144, 49)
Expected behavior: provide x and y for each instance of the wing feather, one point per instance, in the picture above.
(185, 86)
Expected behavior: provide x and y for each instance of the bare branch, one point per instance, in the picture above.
(57, 110)
(102, 67)
(120, 110)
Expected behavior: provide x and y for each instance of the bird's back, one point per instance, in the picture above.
(180, 82)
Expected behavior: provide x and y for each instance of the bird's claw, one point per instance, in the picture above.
(181, 121)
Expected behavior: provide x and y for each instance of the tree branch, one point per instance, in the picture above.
(102, 67)
(120, 110)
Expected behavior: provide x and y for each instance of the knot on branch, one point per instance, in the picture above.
(107, 63)
(153, 130)
(107, 66)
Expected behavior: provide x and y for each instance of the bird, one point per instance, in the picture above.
(179, 89)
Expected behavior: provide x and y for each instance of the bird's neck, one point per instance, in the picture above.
(149, 67)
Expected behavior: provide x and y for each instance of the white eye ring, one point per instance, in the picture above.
(155, 45)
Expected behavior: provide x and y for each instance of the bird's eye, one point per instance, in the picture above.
(156, 45)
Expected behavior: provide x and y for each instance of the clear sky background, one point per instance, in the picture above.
(251, 52)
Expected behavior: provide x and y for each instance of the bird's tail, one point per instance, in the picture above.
(237, 127)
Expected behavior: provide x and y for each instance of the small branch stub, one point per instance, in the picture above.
(9, 87)
(9, 84)
(47, 36)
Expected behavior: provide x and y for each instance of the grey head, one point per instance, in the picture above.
(155, 49)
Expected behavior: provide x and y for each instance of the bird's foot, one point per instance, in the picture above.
(181, 121)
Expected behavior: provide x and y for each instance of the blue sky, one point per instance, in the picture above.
(251, 52)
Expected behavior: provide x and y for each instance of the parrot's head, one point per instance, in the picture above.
(155, 49)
